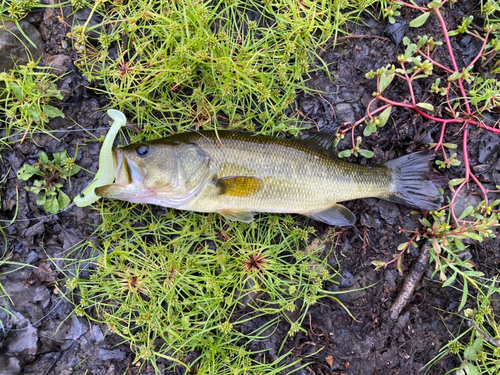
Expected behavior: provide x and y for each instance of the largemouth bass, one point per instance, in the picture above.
(237, 174)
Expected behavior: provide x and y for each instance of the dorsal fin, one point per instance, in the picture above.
(322, 140)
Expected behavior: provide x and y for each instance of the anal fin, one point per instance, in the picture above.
(237, 215)
(335, 215)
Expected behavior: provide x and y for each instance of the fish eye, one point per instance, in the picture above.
(142, 150)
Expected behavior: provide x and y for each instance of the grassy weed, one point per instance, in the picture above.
(202, 64)
(16, 9)
(478, 347)
(198, 290)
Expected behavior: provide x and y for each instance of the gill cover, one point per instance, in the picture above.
(156, 173)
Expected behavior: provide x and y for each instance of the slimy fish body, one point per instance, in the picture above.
(236, 174)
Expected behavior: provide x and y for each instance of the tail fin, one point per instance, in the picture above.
(413, 183)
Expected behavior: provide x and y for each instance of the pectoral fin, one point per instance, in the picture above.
(235, 215)
(240, 186)
(335, 215)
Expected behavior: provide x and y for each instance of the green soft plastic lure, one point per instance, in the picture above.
(106, 172)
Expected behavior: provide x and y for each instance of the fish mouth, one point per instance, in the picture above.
(129, 177)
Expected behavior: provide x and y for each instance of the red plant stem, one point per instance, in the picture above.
(441, 137)
(402, 251)
(452, 57)
(423, 9)
(448, 100)
(482, 49)
(410, 86)
(379, 109)
(440, 120)
(434, 62)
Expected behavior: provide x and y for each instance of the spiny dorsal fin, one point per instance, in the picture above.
(237, 215)
(336, 215)
(322, 140)
(239, 186)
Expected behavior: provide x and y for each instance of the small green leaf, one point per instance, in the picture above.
(51, 205)
(402, 246)
(384, 116)
(410, 50)
(472, 369)
(74, 170)
(34, 189)
(474, 236)
(460, 245)
(450, 145)
(456, 181)
(420, 20)
(345, 153)
(434, 4)
(52, 111)
(426, 222)
(34, 113)
(44, 158)
(470, 354)
(427, 106)
(17, 90)
(466, 212)
(366, 153)
(63, 200)
(450, 280)
(386, 79)
(495, 203)
(378, 264)
(27, 171)
(455, 76)
(41, 200)
(465, 293)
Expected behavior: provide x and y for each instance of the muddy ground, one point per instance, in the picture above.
(46, 341)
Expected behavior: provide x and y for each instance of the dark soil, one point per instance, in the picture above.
(46, 341)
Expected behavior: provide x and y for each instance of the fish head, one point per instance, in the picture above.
(159, 173)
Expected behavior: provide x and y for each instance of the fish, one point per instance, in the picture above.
(238, 174)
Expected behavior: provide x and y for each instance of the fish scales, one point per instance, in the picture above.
(296, 178)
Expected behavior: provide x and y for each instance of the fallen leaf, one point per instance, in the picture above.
(329, 360)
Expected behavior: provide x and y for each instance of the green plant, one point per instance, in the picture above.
(469, 97)
(17, 9)
(236, 63)
(478, 347)
(172, 285)
(52, 198)
(25, 94)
